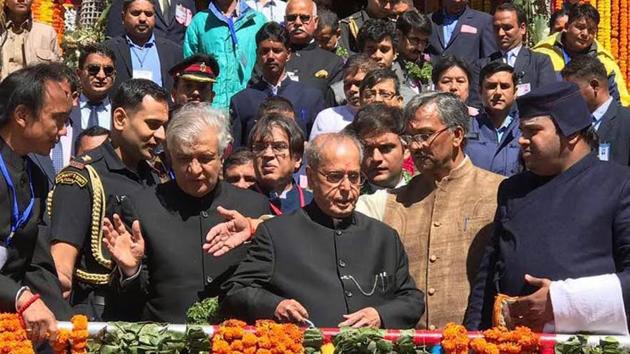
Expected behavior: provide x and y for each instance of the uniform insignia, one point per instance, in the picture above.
(86, 158)
(71, 177)
(77, 164)
(322, 74)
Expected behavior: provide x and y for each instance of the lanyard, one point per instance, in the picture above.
(144, 50)
(278, 211)
(17, 219)
(230, 22)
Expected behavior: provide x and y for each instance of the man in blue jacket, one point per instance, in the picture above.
(493, 137)
(562, 229)
(272, 55)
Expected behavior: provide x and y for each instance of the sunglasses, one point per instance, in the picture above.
(94, 69)
(303, 18)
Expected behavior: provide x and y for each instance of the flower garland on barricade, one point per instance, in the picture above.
(268, 338)
(73, 341)
(497, 340)
(13, 336)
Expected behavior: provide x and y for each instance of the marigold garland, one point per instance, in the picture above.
(268, 338)
(13, 336)
(455, 339)
(497, 340)
(604, 28)
(75, 341)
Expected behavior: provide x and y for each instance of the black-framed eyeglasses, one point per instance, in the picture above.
(94, 69)
(277, 147)
(336, 177)
(373, 94)
(303, 18)
(424, 138)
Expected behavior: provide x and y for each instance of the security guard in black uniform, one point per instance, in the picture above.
(351, 25)
(94, 185)
(34, 108)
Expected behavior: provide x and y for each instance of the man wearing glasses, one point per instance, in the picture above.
(380, 86)
(278, 145)
(444, 214)
(325, 264)
(309, 64)
(97, 73)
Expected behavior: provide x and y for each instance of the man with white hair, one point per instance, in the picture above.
(309, 64)
(169, 223)
(325, 262)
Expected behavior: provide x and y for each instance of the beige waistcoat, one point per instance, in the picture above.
(444, 227)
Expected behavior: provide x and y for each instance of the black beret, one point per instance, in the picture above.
(562, 101)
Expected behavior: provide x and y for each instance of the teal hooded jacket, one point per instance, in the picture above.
(209, 33)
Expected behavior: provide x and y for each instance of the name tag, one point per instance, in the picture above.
(143, 74)
(183, 15)
(3, 256)
(522, 89)
(604, 152)
(293, 76)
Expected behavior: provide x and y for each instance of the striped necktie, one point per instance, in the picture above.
(57, 157)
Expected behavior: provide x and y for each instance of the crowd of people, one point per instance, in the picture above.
(391, 169)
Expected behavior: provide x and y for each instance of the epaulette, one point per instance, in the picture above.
(79, 162)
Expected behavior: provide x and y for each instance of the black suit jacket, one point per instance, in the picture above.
(463, 44)
(331, 270)
(530, 67)
(308, 61)
(306, 101)
(166, 25)
(615, 130)
(570, 226)
(170, 53)
(176, 272)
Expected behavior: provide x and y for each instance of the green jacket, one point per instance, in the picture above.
(210, 35)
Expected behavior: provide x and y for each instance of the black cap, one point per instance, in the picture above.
(562, 101)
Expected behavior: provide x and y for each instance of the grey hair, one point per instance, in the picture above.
(313, 152)
(190, 121)
(453, 113)
(314, 12)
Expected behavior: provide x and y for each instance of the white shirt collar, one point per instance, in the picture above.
(598, 114)
(83, 102)
(514, 51)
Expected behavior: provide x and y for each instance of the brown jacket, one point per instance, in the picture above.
(444, 227)
(40, 46)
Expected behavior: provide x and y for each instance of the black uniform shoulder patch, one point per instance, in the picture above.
(71, 177)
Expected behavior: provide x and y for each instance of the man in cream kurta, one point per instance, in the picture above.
(444, 215)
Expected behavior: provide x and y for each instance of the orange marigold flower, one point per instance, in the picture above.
(220, 347)
(509, 348)
(79, 322)
(237, 345)
(249, 340)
